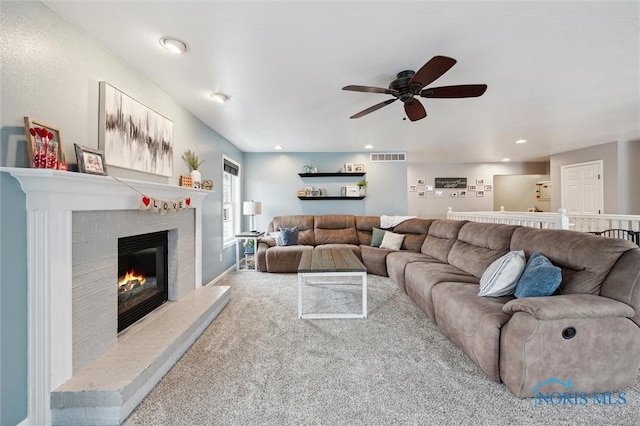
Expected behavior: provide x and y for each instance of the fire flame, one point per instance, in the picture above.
(130, 279)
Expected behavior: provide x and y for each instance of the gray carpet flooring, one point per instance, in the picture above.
(258, 364)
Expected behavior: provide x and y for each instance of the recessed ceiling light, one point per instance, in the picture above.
(521, 141)
(220, 97)
(174, 45)
(506, 159)
(278, 147)
(368, 147)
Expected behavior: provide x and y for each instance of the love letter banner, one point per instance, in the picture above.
(162, 206)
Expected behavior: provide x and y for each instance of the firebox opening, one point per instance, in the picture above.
(142, 276)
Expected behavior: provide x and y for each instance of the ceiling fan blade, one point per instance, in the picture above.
(373, 108)
(369, 89)
(461, 91)
(414, 109)
(431, 71)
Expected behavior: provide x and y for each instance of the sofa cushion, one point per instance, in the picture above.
(415, 232)
(289, 236)
(440, 238)
(335, 229)
(374, 259)
(397, 262)
(364, 227)
(421, 277)
(377, 235)
(284, 258)
(392, 241)
(304, 223)
(585, 259)
(472, 322)
(502, 276)
(540, 278)
(478, 245)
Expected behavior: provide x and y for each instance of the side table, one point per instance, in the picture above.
(247, 262)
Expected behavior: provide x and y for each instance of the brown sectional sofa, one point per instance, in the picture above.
(521, 342)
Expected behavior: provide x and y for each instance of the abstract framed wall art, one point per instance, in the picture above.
(132, 135)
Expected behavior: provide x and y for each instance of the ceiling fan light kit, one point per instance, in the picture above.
(409, 84)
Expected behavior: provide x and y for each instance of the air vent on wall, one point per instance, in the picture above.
(386, 157)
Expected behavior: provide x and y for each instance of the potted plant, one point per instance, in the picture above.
(363, 187)
(249, 247)
(192, 161)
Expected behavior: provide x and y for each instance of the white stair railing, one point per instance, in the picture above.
(535, 220)
(560, 220)
(601, 222)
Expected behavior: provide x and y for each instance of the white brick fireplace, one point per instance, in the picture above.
(57, 203)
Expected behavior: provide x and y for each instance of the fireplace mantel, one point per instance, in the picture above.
(51, 198)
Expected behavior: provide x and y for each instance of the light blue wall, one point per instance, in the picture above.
(273, 179)
(13, 302)
(51, 72)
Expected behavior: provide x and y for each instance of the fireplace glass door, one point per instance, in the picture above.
(142, 276)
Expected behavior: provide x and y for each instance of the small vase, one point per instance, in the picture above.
(363, 191)
(196, 177)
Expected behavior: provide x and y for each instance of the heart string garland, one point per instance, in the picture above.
(158, 205)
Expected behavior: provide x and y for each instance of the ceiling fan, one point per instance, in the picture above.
(410, 83)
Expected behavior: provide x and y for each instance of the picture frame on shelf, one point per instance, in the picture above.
(90, 160)
(358, 168)
(348, 167)
(30, 123)
(353, 191)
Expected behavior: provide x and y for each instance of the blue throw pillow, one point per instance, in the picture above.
(289, 236)
(540, 278)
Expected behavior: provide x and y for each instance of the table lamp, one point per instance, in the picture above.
(252, 208)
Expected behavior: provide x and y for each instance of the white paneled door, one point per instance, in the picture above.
(582, 188)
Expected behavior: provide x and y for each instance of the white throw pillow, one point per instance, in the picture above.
(501, 277)
(392, 241)
(276, 237)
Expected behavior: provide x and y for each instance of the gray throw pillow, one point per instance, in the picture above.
(289, 236)
(377, 235)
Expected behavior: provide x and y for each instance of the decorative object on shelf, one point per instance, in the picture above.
(186, 181)
(252, 208)
(191, 159)
(126, 141)
(362, 185)
(90, 160)
(358, 168)
(308, 168)
(343, 191)
(44, 146)
(207, 184)
(302, 193)
(348, 167)
(353, 191)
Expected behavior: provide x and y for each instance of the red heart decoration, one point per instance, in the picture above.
(188, 201)
(146, 201)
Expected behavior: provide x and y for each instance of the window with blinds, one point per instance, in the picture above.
(230, 200)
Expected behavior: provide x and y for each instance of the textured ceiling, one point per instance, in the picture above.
(563, 75)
